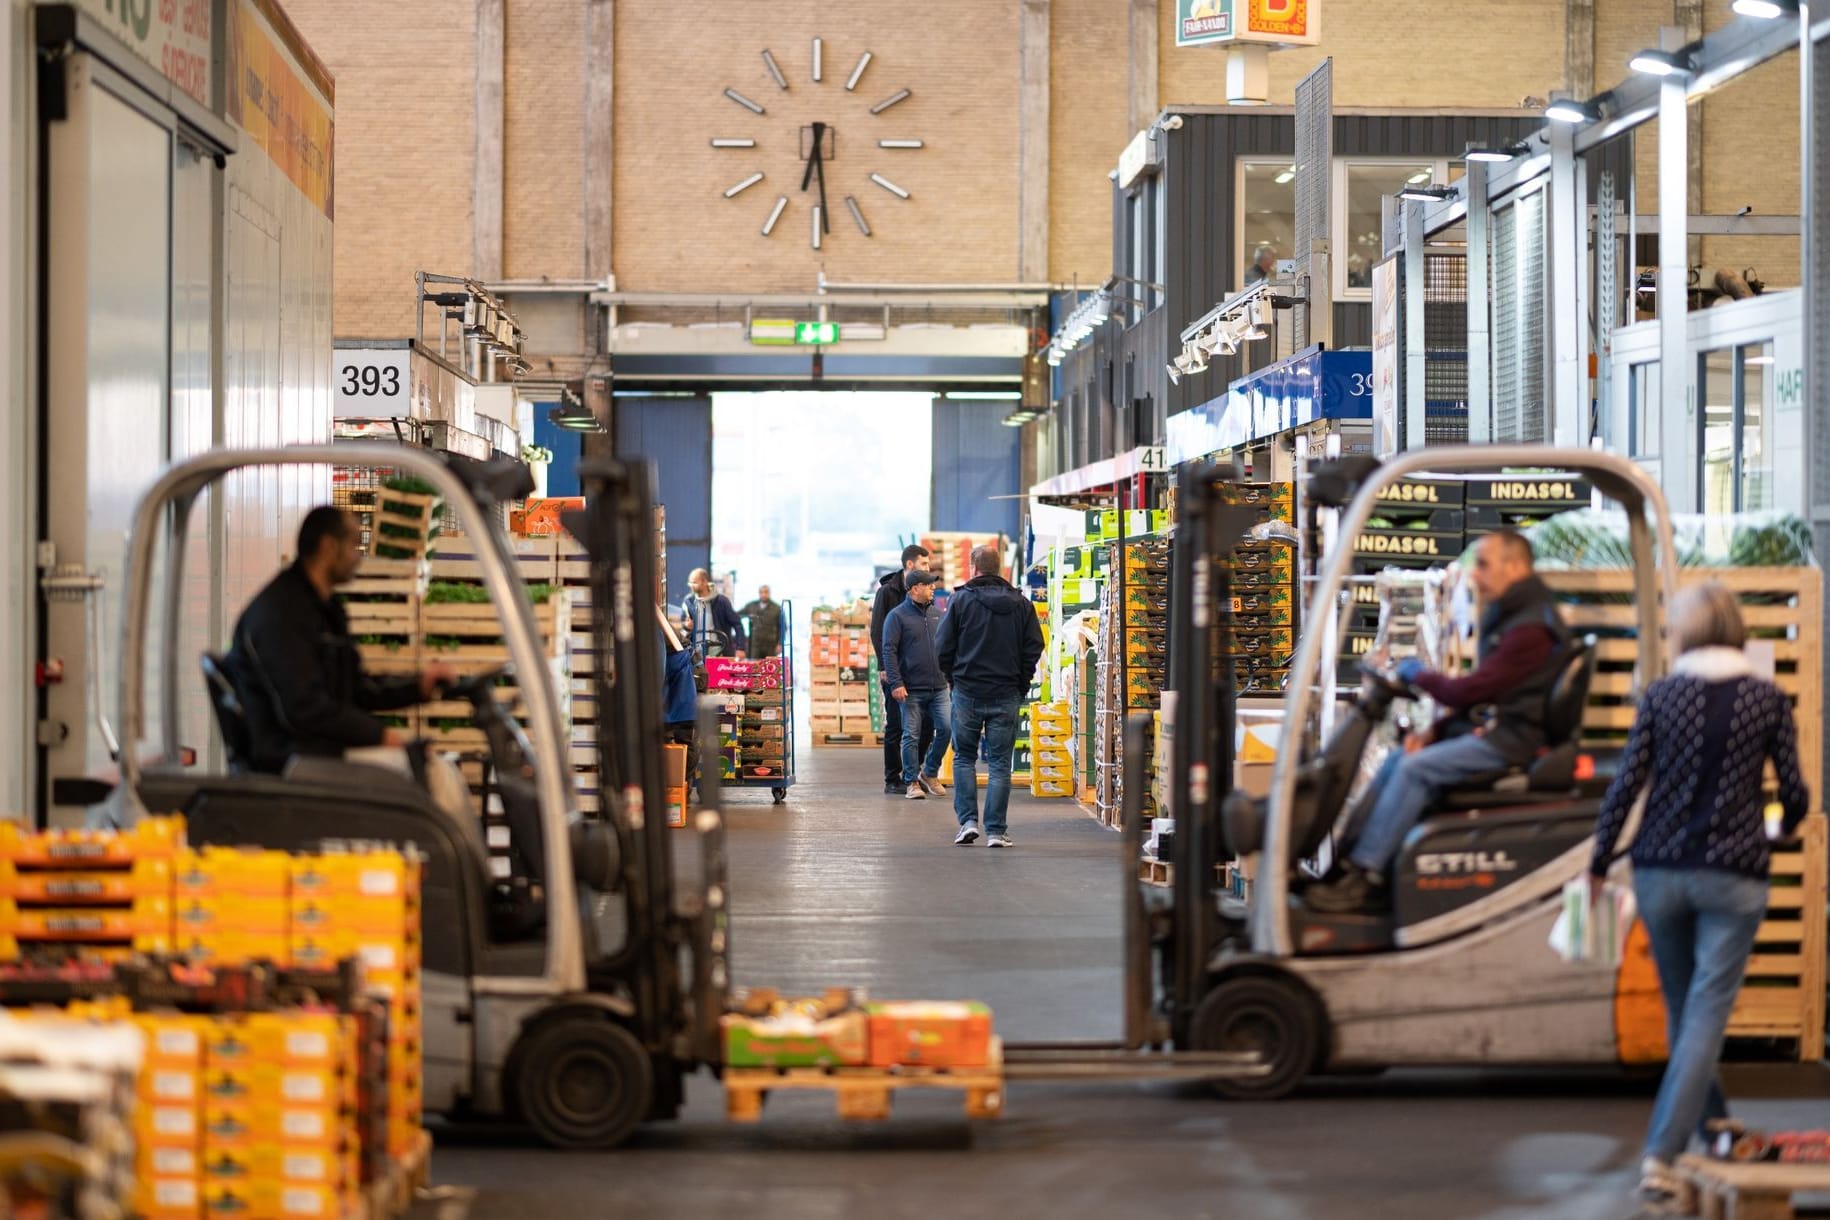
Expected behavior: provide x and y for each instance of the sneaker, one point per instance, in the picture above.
(967, 836)
(999, 841)
(1662, 1191)
(915, 793)
(932, 786)
(1355, 891)
(893, 787)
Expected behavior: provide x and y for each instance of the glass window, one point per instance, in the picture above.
(1644, 414)
(1267, 217)
(1716, 385)
(1361, 187)
(1756, 462)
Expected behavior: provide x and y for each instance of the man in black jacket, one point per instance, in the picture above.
(989, 643)
(296, 670)
(891, 591)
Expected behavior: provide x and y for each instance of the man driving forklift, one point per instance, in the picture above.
(1496, 720)
(296, 671)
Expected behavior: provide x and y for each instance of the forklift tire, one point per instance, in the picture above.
(1261, 1013)
(582, 1082)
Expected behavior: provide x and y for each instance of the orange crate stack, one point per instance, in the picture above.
(88, 891)
(168, 1123)
(232, 905)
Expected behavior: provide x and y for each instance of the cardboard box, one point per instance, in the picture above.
(673, 766)
(929, 1033)
(676, 807)
(795, 1040)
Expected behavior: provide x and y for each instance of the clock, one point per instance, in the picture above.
(819, 148)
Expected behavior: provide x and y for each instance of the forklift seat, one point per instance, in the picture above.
(1551, 775)
(231, 719)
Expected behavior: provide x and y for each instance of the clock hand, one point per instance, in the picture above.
(825, 212)
(819, 132)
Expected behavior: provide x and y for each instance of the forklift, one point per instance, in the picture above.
(576, 994)
(1452, 974)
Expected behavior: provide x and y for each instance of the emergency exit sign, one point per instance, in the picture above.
(809, 333)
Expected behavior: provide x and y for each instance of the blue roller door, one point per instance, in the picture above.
(675, 434)
(975, 458)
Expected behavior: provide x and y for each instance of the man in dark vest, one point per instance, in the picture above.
(1496, 717)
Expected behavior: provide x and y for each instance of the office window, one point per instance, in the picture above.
(1360, 187)
(1267, 216)
(1644, 418)
(1716, 387)
(1756, 401)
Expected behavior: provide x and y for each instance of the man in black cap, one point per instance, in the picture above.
(911, 669)
(890, 592)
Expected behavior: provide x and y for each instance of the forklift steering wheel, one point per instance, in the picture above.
(476, 688)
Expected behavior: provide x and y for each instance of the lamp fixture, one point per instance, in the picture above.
(1425, 194)
(1023, 415)
(1662, 63)
(1285, 177)
(1569, 110)
(1175, 374)
(574, 417)
(1766, 10)
(1496, 155)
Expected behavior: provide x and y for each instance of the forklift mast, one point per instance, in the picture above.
(1201, 763)
(616, 528)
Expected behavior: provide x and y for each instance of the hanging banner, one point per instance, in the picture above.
(1278, 22)
(271, 101)
(171, 35)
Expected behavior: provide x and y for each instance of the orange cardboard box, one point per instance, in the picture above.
(929, 1033)
(355, 875)
(676, 807)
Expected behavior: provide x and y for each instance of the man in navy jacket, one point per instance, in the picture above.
(989, 643)
(911, 669)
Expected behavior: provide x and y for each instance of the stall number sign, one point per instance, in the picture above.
(373, 384)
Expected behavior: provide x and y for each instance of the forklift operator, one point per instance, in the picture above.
(1496, 720)
(298, 673)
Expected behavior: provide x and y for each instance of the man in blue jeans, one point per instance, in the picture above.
(911, 669)
(989, 643)
(1496, 720)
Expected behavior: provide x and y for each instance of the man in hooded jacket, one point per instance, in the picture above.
(988, 644)
(892, 590)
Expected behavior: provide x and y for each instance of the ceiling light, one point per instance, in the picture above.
(1055, 355)
(574, 417)
(1767, 10)
(1422, 175)
(1285, 176)
(1661, 63)
(1759, 360)
(1255, 333)
(1569, 110)
(1175, 374)
(1494, 155)
(1425, 194)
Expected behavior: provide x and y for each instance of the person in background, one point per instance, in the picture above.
(714, 625)
(1497, 721)
(1264, 263)
(911, 669)
(765, 618)
(295, 668)
(890, 592)
(988, 646)
(1702, 738)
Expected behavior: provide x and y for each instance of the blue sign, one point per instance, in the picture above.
(1303, 389)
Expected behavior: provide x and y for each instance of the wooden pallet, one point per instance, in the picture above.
(1784, 996)
(1743, 1190)
(393, 1195)
(1152, 871)
(864, 1094)
(872, 740)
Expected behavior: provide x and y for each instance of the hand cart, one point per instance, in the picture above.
(778, 784)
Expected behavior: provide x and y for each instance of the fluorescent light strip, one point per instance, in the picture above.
(901, 95)
(889, 186)
(733, 143)
(746, 103)
(851, 82)
(817, 218)
(851, 205)
(775, 214)
(745, 185)
(899, 144)
(816, 61)
(775, 70)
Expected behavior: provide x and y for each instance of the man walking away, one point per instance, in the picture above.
(715, 627)
(890, 592)
(765, 618)
(988, 646)
(912, 670)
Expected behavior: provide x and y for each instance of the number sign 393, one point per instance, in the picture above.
(372, 383)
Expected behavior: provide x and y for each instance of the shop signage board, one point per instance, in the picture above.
(1386, 406)
(171, 35)
(271, 101)
(374, 383)
(1277, 22)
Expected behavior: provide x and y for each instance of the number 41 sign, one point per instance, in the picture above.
(373, 383)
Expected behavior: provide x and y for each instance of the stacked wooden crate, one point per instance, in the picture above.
(840, 676)
(950, 554)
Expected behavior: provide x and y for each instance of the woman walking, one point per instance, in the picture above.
(1703, 737)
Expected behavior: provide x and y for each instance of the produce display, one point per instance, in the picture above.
(842, 1028)
(1598, 539)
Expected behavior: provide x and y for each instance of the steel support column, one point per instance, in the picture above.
(1480, 320)
(1677, 407)
(1567, 287)
(1416, 382)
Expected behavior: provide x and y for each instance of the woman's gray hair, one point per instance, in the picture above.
(1707, 616)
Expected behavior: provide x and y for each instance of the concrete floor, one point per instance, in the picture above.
(843, 885)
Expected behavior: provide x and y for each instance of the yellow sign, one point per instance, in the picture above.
(1279, 18)
(277, 109)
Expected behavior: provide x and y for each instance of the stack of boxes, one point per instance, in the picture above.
(842, 677)
(1261, 636)
(950, 554)
(753, 718)
(1133, 665)
(168, 1122)
(1419, 524)
(1050, 728)
(234, 906)
(92, 892)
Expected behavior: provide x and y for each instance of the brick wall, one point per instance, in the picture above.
(404, 155)
(1089, 79)
(543, 108)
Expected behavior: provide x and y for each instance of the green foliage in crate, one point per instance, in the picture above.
(384, 530)
(451, 593)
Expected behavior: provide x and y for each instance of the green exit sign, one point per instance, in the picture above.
(816, 332)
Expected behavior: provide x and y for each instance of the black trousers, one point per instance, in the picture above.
(892, 738)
